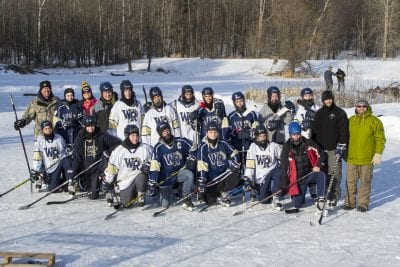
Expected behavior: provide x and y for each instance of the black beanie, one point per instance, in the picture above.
(327, 95)
(44, 84)
(69, 90)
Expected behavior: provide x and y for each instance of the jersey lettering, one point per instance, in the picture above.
(217, 158)
(51, 152)
(173, 159)
(133, 163)
(264, 160)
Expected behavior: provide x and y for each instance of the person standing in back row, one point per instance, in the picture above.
(366, 145)
(331, 132)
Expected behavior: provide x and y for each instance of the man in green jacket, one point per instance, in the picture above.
(366, 145)
(41, 108)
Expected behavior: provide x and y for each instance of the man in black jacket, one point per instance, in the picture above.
(331, 132)
(90, 146)
(102, 108)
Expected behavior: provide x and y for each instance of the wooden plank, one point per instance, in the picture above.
(9, 255)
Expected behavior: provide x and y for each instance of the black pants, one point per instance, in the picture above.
(213, 192)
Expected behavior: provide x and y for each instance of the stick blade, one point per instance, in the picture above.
(240, 212)
(157, 213)
(108, 217)
(24, 207)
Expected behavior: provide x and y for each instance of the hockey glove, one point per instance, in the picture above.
(377, 159)
(147, 106)
(310, 115)
(191, 163)
(19, 124)
(219, 108)
(67, 123)
(106, 187)
(152, 189)
(274, 125)
(235, 167)
(36, 176)
(201, 185)
(340, 150)
(194, 115)
(289, 105)
(249, 184)
(145, 168)
(307, 124)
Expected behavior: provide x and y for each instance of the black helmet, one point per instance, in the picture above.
(161, 126)
(130, 129)
(46, 123)
(306, 91)
(89, 121)
(155, 91)
(212, 126)
(273, 90)
(187, 88)
(260, 129)
(207, 91)
(237, 95)
(106, 86)
(125, 84)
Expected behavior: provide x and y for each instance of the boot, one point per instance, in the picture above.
(320, 206)
(276, 204)
(188, 204)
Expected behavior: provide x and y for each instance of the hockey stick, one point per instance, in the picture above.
(129, 204)
(22, 140)
(60, 186)
(329, 188)
(145, 94)
(155, 214)
(29, 179)
(271, 196)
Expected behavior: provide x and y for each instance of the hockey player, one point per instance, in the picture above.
(212, 109)
(159, 111)
(241, 121)
(68, 116)
(102, 108)
(331, 132)
(41, 108)
(306, 110)
(50, 159)
(301, 160)
(276, 116)
(90, 146)
(184, 106)
(127, 111)
(172, 162)
(262, 166)
(129, 167)
(218, 167)
(88, 100)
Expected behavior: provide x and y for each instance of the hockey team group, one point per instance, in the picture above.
(192, 149)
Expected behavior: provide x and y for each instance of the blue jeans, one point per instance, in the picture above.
(264, 189)
(184, 176)
(318, 178)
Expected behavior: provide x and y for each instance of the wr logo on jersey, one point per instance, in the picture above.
(173, 159)
(217, 158)
(133, 163)
(264, 160)
(51, 152)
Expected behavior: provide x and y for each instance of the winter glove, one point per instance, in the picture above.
(340, 149)
(146, 107)
(274, 125)
(19, 124)
(289, 105)
(152, 189)
(201, 184)
(194, 115)
(36, 176)
(306, 124)
(245, 133)
(310, 115)
(376, 159)
(235, 168)
(249, 184)
(145, 168)
(191, 163)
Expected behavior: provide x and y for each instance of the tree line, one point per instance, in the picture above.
(98, 32)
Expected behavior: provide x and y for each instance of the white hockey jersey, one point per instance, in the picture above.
(127, 163)
(47, 154)
(260, 161)
(152, 117)
(122, 115)
(300, 116)
(183, 111)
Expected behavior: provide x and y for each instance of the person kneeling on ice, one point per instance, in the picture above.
(130, 162)
(218, 166)
(262, 167)
(301, 161)
(50, 159)
(172, 162)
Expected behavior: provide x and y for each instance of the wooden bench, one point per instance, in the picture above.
(9, 256)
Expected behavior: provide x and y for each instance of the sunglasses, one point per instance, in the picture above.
(361, 106)
(86, 92)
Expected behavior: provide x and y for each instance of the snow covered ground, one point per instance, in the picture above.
(79, 235)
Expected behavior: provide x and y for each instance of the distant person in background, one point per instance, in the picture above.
(68, 115)
(366, 145)
(41, 108)
(328, 78)
(340, 79)
(88, 100)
